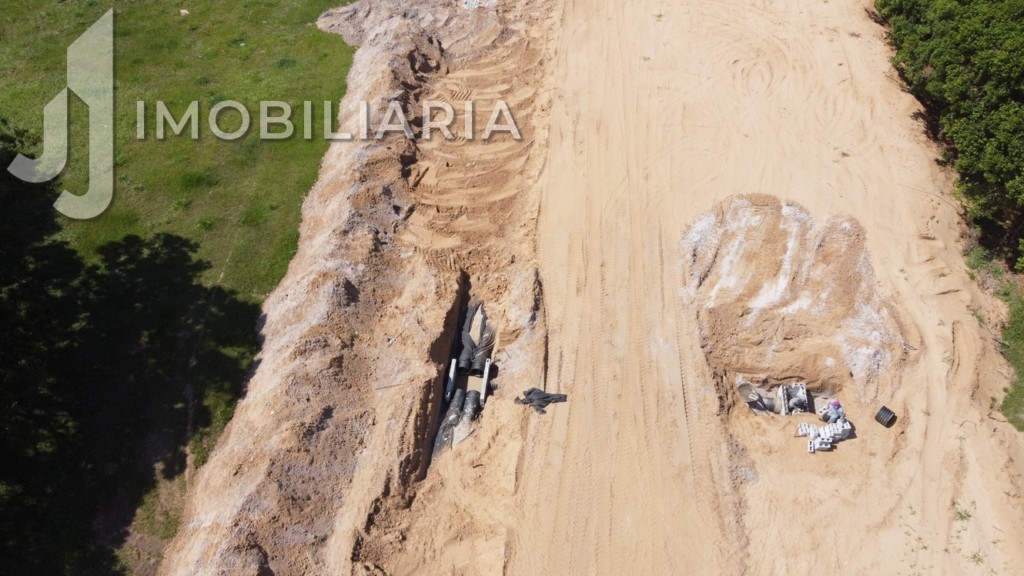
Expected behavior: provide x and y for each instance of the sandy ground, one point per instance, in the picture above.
(705, 191)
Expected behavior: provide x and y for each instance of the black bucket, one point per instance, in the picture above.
(885, 417)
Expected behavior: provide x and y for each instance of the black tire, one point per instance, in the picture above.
(885, 417)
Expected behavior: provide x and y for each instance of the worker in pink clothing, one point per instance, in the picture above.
(834, 413)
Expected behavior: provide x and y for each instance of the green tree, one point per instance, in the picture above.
(965, 60)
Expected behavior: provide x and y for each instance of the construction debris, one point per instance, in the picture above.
(477, 339)
(539, 399)
(785, 400)
(793, 399)
(823, 437)
(468, 378)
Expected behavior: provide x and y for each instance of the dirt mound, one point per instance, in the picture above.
(782, 299)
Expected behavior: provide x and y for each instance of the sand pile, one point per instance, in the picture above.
(781, 299)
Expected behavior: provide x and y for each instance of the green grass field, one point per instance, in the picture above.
(239, 200)
(107, 321)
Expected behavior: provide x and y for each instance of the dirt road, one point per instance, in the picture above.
(638, 485)
(660, 112)
(706, 191)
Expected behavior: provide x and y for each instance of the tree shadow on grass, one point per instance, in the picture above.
(108, 369)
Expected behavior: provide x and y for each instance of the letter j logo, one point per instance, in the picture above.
(91, 77)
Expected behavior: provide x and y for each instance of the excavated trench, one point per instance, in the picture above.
(451, 395)
(434, 403)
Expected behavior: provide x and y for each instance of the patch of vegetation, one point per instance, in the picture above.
(1013, 348)
(961, 58)
(979, 260)
(960, 513)
(157, 520)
